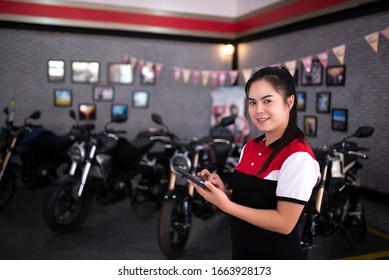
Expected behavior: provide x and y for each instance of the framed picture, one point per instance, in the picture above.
(336, 75)
(140, 99)
(313, 77)
(323, 102)
(85, 72)
(339, 119)
(103, 93)
(296, 77)
(148, 75)
(56, 70)
(87, 111)
(120, 73)
(63, 97)
(301, 100)
(310, 126)
(119, 110)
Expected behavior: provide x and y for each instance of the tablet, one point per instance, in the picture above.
(193, 178)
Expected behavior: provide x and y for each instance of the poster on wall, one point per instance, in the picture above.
(227, 102)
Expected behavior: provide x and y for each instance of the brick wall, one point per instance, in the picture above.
(186, 108)
(365, 95)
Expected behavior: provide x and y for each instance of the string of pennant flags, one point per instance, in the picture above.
(219, 77)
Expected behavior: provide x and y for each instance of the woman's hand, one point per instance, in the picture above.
(215, 193)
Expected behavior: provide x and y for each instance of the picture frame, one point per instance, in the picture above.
(336, 75)
(103, 93)
(63, 97)
(148, 74)
(339, 119)
(85, 72)
(301, 100)
(323, 102)
(140, 99)
(310, 126)
(119, 110)
(120, 73)
(296, 77)
(87, 111)
(315, 76)
(56, 71)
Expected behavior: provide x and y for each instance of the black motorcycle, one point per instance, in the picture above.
(107, 167)
(335, 201)
(30, 152)
(8, 139)
(182, 201)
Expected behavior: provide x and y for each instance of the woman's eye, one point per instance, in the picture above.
(252, 102)
(267, 101)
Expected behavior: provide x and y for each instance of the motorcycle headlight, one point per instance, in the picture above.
(77, 153)
(180, 160)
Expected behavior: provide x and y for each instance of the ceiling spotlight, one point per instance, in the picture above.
(229, 49)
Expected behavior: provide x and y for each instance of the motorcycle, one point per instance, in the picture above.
(181, 201)
(104, 166)
(335, 201)
(8, 138)
(31, 152)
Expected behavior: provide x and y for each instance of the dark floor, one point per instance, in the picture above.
(121, 231)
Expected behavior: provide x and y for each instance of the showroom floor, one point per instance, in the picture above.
(121, 231)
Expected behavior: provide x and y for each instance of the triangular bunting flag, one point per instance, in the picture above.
(372, 39)
(195, 76)
(177, 74)
(158, 69)
(133, 61)
(140, 65)
(323, 57)
(385, 33)
(222, 77)
(214, 76)
(233, 76)
(205, 76)
(125, 58)
(291, 65)
(186, 75)
(339, 52)
(247, 74)
(307, 63)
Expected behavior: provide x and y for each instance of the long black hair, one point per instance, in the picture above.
(282, 81)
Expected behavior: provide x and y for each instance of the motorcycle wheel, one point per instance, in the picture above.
(174, 226)
(307, 228)
(7, 189)
(62, 212)
(354, 226)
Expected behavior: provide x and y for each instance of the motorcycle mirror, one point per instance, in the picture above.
(225, 121)
(35, 115)
(157, 118)
(363, 132)
(6, 111)
(72, 114)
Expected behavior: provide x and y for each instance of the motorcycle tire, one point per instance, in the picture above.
(354, 226)
(174, 226)
(62, 212)
(7, 188)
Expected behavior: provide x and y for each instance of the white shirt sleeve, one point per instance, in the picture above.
(297, 177)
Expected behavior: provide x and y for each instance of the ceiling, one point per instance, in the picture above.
(227, 19)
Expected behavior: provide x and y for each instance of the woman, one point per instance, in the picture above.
(274, 178)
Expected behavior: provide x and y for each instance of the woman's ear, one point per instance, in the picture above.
(290, 101)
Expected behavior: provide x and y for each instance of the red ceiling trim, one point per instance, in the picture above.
(73, 13)
(292, 9)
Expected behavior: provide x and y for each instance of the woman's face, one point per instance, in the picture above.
(267, 109)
